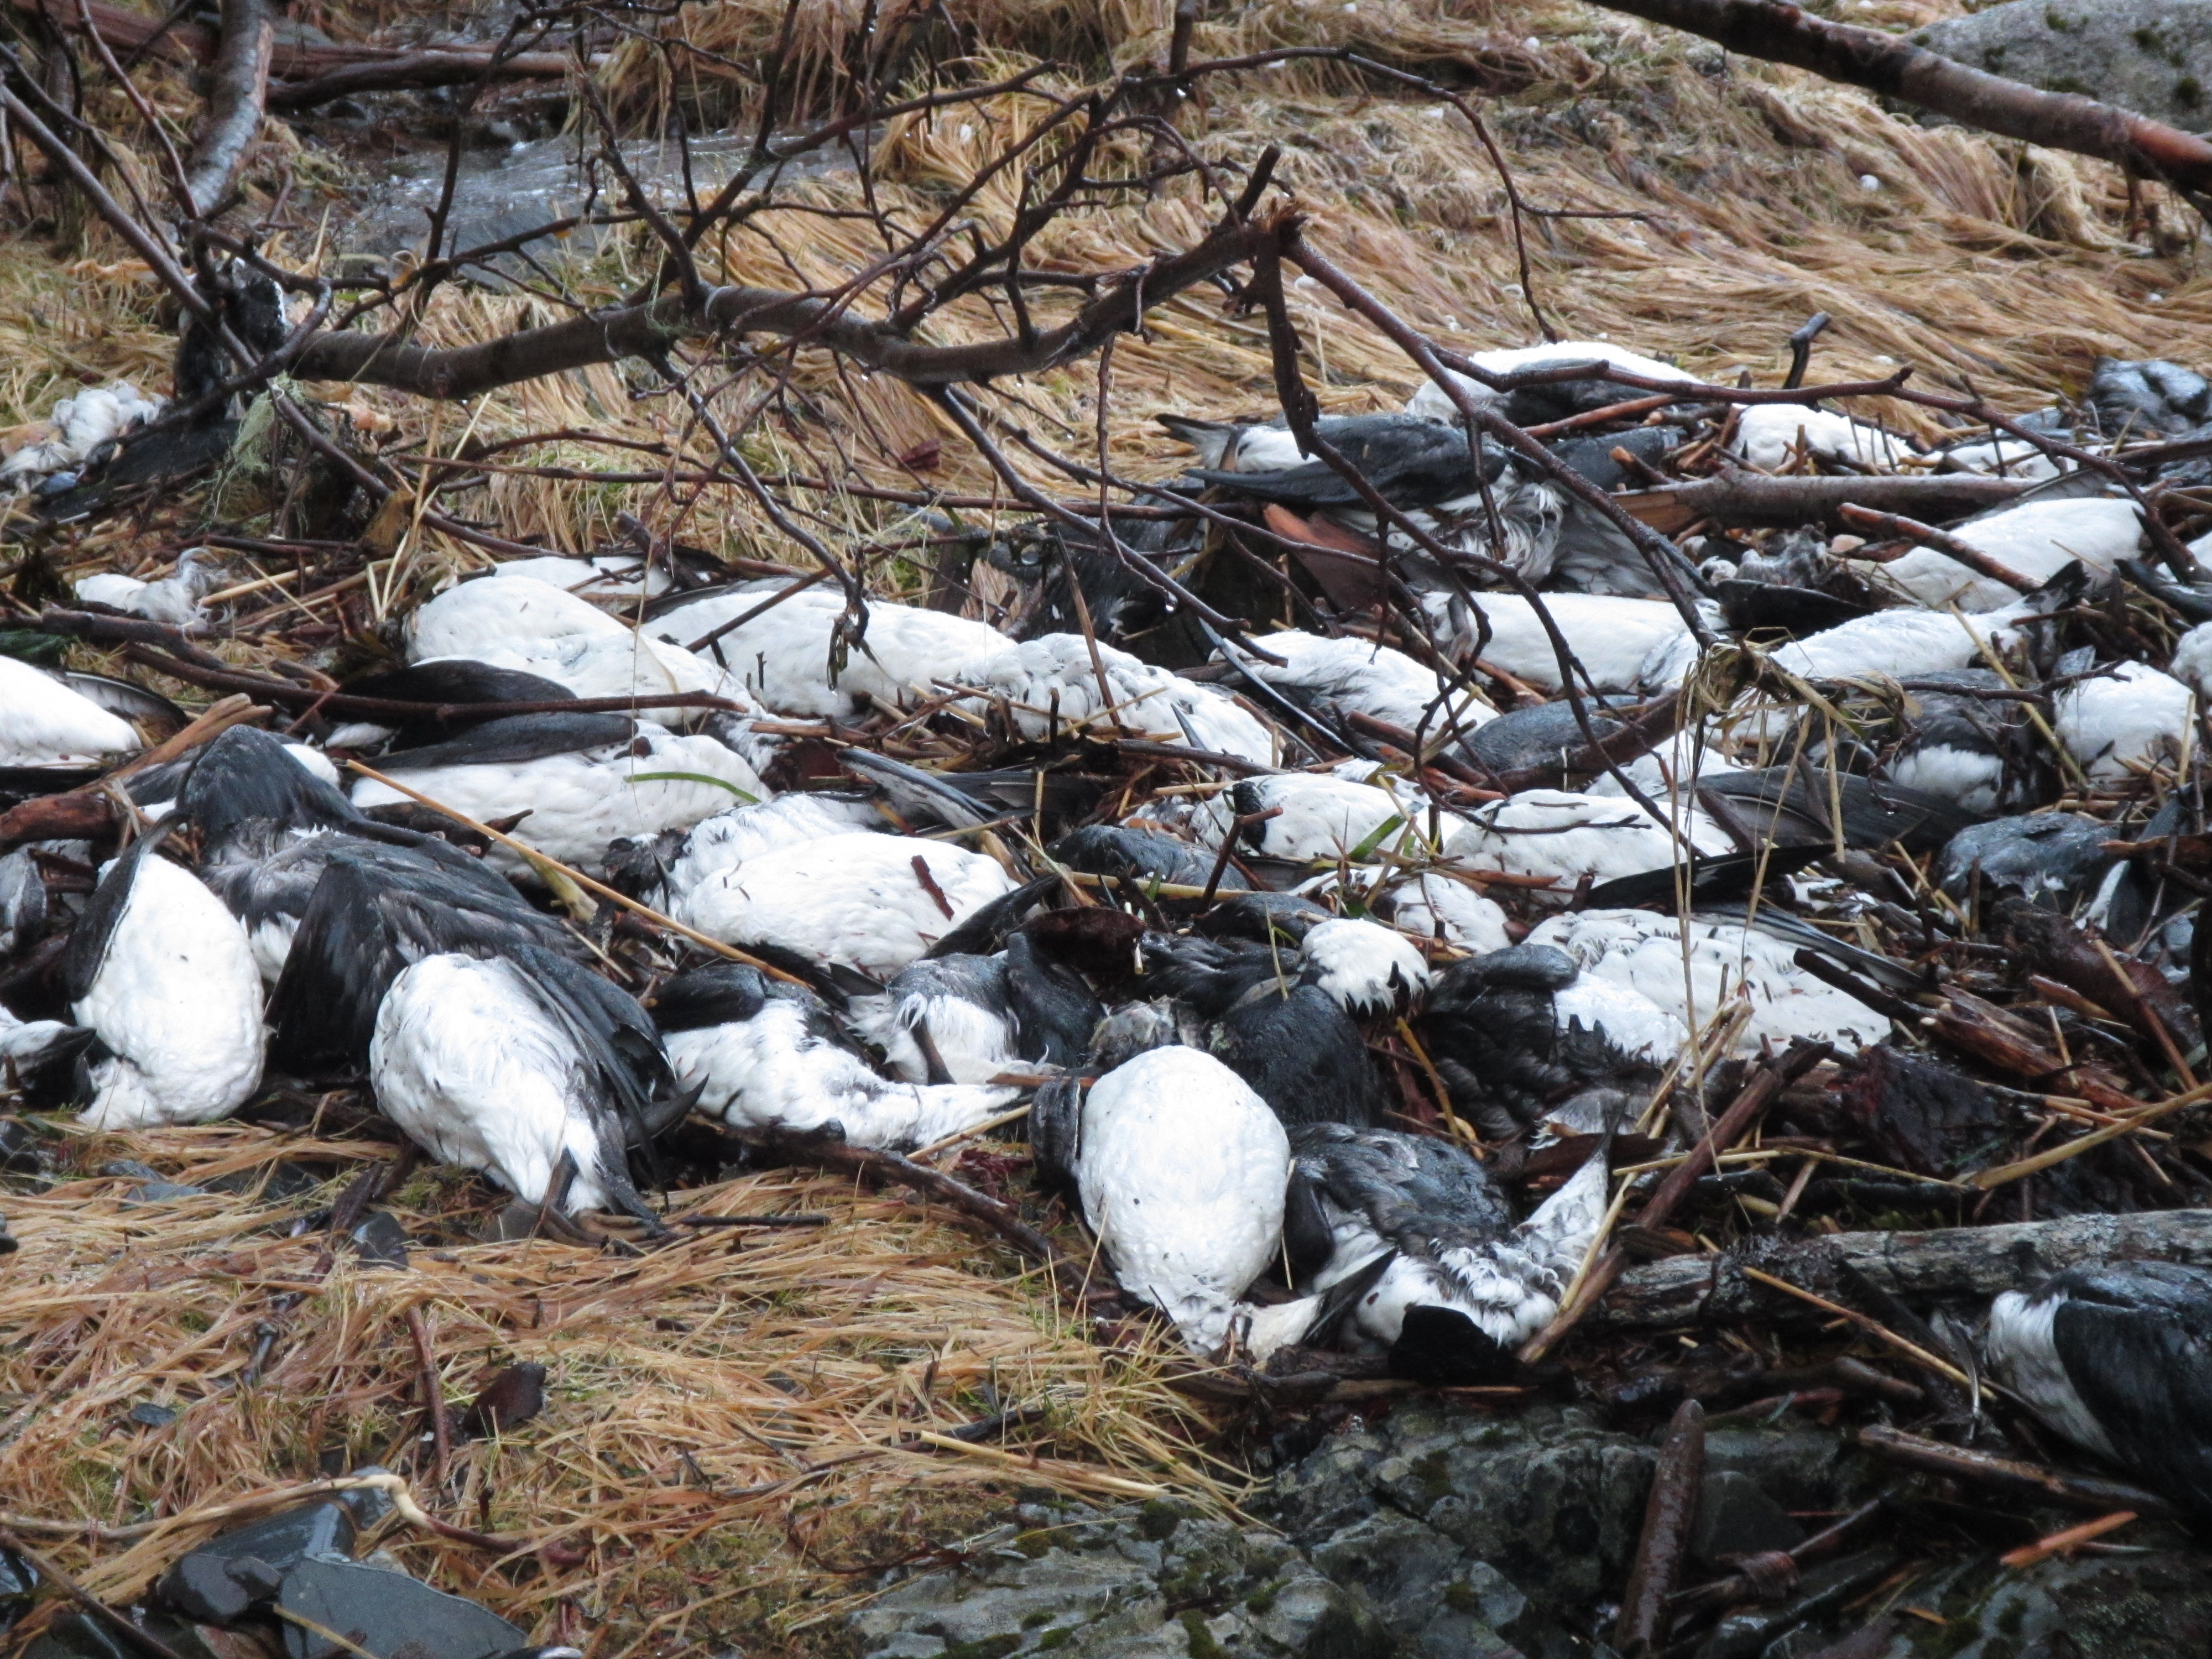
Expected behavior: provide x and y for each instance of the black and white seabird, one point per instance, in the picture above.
(578, 781)
(45, 726)
(1464, 1284)
(1182, 1170)
(762, 1055)
(163, 973)
(522, 1066)
(2119, 1360)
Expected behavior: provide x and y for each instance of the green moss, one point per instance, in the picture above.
(1033, 1543)
(1041, 1616)
(983, 1647)
(1263, 1600)
(1432, 1473)
(2188, 92)
(1460, 1597)
(1158, 1519)
(1202, 1644)
(1059, 1637)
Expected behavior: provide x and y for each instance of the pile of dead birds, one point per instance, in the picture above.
(1445, 974)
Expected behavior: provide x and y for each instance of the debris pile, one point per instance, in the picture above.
(1598, 885)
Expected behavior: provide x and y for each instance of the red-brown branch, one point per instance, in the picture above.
(1895, 68)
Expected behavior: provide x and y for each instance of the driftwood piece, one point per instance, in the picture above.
(2028, 1481)
(1942, 1263)
(1668, 1515)
(1732, 497)
(1895, 68)
(239, 86)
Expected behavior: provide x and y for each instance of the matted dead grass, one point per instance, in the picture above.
(719, 1448)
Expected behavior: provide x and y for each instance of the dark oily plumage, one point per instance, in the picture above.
(455, 684)
(2045, 855)
(2147, 398)
(1791, 805)
(244, 775)
(1411, 461)
(1053, 1010)
(1592, 457)
(1059, 558)
(1542, 736)
(1262, 917)
(1302, 1054)
(1492, 1028)
(1112, 849)
(2119, 1360)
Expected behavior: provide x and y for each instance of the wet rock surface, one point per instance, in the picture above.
(1440, 1534)
(1143, 1579)
(2153, 56)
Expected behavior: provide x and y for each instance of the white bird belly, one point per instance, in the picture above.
(469, 1068)
(177, 1000)
(852, 901)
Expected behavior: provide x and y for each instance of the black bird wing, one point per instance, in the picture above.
(613, 1033)
(1109, 849)
(95, 927)
(1413, 462)
(1303, 1055)
(376, 909)
(1714, 879)
(458, 680)
(1779, 801)
(245, 776)
(2137, 1342)
(1415, 1191)
(514, 738)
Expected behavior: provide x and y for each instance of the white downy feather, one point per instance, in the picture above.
(1567, 835)
(1182, 1172)
(1645, 951)
(2035, 540)
(1347, 675)
(44, 723)
(2121, 723)
(578, 803)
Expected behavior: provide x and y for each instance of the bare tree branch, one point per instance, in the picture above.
(649, 330)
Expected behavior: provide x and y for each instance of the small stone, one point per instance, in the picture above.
(379, 1240)
(236, 1570)
(148, 1415)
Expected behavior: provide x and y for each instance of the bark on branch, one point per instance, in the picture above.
(240, 86)
(1945, 1262)
(650, 330)
(1881, 63)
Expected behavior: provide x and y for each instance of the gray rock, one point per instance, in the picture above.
(1549, 1501)
(2153, 56)
(1735, 1517)
(1155, 1581)
(390, 1615)
(1436, 1602)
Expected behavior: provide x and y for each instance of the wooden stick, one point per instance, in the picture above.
(85, 1599)
(2058, 1543)
(582, 880)
(433, 1394)
(1665, 1543)
(2075, 1491)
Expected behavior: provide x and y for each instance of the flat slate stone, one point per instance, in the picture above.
(388, 1614)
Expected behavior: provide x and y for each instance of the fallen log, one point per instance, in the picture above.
(1943, 1263)
(1731, 497)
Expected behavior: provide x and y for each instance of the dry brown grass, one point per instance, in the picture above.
(712, 1456)
(723, 1365)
